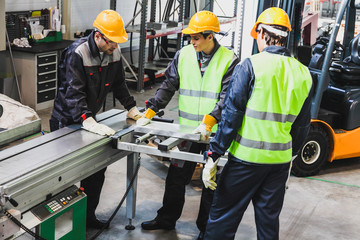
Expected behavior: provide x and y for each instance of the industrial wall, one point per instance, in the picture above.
(80, 14)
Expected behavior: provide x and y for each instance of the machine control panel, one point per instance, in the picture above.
(57, 203)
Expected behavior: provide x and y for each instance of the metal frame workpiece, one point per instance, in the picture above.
(174, 133)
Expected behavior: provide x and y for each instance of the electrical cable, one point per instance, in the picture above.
(17, 222)
(131, 34)
(119, 205)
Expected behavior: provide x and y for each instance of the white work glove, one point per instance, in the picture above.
(92, 126)
(204, 134)
(134, 113)
(205, 127)
(142, 121)
(209, 172)
(145, 119)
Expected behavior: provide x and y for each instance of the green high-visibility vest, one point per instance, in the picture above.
(199, 94)
(281, 86)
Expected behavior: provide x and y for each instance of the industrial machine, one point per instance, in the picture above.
(37, 177)
(335, 125)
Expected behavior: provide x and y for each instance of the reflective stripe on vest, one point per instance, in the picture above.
(279, 92)
(198, 94)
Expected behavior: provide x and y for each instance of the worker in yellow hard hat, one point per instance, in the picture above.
(264, 123)
(201, 73)
(88, 69)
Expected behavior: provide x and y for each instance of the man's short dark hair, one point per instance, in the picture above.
(207, 33)
(273, 39)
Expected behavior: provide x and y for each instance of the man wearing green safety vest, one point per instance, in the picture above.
(200, 72)
(265, 120)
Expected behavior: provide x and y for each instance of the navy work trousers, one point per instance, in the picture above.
(241, 182)
(174, 196)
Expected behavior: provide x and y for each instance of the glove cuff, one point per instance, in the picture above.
(213, 155)
(209, 121)
(84, 116)
(149, 113)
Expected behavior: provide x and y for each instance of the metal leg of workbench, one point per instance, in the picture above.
(132, 162)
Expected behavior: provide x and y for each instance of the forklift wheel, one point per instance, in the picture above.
(313, 155)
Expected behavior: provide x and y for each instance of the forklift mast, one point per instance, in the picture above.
(323, 74)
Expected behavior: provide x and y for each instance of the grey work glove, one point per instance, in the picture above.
(92, 126)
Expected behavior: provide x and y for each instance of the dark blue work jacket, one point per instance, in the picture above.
(85, 78)
(239, 91)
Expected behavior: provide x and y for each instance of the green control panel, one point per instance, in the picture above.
(57, 203)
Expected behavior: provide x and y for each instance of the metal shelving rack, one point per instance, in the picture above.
(149, 31)
(152, 30)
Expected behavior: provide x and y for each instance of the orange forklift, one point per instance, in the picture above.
(335, 124)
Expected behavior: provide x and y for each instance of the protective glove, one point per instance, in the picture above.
(209, 171)
(92, 126)
(145, 119)
(134, 113)
(205, 127)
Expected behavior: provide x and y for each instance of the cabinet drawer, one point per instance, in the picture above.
(45, 96)
(46, 68)
(46, 85)
(46, 77)
(46, 59)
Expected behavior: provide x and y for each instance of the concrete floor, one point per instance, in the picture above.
(326, 206)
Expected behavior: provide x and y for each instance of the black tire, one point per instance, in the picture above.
(314, 153)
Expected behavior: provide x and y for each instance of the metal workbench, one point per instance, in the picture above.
(37, 170)
(34, 171)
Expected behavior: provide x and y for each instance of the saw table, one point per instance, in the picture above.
(41, 171)
(37, 170)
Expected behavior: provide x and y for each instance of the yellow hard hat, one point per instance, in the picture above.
(111, 25)
(272, 16)
(202, 21)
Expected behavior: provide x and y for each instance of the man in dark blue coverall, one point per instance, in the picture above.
(265, 120)
(89, 68)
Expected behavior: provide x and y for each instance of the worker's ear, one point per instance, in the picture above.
(210, 36)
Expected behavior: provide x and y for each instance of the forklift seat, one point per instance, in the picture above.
(347, 72)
